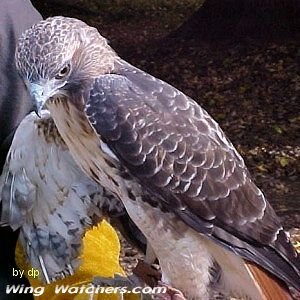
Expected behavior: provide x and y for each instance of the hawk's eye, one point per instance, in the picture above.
(63, 72)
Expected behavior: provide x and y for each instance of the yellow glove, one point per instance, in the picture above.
(100, 257)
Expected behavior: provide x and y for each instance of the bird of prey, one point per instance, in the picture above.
(45, 194)
(181, 180)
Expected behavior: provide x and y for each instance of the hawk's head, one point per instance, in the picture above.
(60, 55)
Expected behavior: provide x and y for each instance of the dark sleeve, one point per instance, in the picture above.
(15, 17)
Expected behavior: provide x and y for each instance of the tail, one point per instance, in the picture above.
(269, 286)
(243, 279)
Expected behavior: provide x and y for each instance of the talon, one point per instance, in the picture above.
(147, 273)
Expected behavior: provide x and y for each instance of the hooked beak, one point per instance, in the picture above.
(40, 94)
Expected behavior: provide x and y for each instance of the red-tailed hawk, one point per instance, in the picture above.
(181, 180)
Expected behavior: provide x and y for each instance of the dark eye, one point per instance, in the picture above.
(63, 72)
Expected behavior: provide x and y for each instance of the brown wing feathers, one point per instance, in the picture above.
(180, 154)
